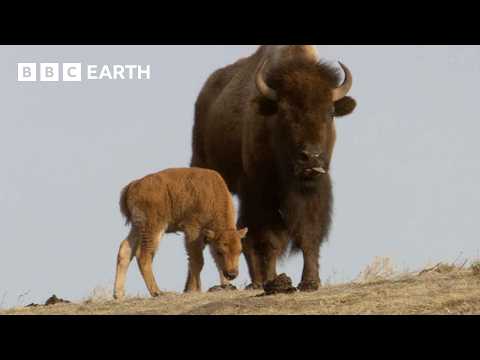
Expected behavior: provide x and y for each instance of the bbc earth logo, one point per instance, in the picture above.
(73, 72)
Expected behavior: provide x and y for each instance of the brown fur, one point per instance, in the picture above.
(255, 143)
(193, 201)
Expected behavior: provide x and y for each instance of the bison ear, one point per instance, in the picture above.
(242, 233)
(345, 106)
(209, 234)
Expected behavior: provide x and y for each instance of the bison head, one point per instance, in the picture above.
(300, 100)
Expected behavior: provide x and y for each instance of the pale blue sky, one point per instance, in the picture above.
(405, 170)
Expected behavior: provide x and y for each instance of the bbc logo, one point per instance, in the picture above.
(32, 72)
(49, 72)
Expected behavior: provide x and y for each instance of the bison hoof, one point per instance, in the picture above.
(309, 286)
(254, 286)
(218, 288)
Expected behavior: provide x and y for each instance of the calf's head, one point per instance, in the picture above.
(300, 100)
(226, 247)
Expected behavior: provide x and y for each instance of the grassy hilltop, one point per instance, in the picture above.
(441, 289)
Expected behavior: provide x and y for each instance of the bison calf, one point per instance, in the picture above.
(193, 201)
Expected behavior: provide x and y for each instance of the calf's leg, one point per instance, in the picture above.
(125, 255)
(195, 264)
(145, 255)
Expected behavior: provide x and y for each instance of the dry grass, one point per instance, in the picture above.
(381, 269)
(99, 294)
(440, 289)
(475, 268)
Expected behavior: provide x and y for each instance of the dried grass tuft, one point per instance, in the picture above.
(381, 269)
(475, 267)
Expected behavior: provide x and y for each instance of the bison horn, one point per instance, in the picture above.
(262, 87)
(342, 91)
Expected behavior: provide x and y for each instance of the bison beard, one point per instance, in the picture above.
(307, 217)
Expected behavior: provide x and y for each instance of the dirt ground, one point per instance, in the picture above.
(439, 290)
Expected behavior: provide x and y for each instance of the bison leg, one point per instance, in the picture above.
(254, 260)
(275, 242)
(125, 255)
(310, 276)
(267, 237)
(262, 250)
(145, 254)
(195, 265)
(308, 218)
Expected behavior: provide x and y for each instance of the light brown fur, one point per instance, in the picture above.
(190, 200)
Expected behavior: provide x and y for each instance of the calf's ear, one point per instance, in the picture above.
(242, 233)
(345, 106)
(209, 234)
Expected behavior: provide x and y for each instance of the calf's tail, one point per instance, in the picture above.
(124, 206)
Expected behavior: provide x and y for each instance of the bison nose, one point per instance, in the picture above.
(311, 163)
(230, 275)
(307, 156)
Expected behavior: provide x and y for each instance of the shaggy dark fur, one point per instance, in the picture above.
(256, 143)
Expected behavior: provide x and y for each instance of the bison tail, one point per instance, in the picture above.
(124, 206)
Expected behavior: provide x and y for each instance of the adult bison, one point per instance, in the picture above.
(266, 124)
